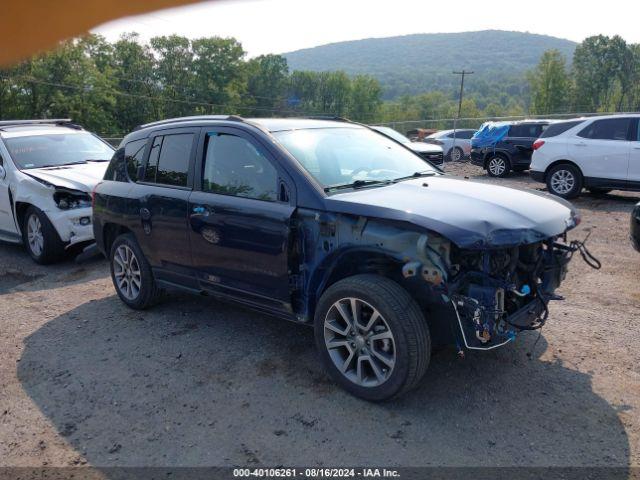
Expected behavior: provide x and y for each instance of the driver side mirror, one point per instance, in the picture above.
(3, 172)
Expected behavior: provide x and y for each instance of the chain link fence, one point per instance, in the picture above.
(407, 126)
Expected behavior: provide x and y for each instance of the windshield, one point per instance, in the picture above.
(37, 151)
(390, 132)
(339, 156)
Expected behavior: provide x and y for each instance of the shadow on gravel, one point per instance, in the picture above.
(200, 383)
(19, 271)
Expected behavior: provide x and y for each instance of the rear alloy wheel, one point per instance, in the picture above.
(565, 181)
(372, 337)
(498, 166)
(40, 237)
(131, 274)
(456, 154)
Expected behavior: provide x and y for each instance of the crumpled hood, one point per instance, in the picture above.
(422, 147)
(83, 177)
(470, 214)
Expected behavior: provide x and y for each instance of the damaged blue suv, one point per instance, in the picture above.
(331, 224)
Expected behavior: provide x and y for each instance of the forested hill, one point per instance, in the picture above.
(413, 64)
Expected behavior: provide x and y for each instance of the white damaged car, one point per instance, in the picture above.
(48, 170)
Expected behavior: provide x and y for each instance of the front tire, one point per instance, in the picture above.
(564, 180)
(498, 166)
(40, 238)
(372, 337)
(131, 274)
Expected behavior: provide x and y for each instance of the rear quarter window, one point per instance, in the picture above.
(556, 129)
(133, 156)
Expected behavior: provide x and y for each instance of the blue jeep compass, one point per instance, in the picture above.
(332, 224)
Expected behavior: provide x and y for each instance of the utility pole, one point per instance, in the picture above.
(462, 74)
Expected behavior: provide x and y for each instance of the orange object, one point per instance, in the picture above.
(27, 28)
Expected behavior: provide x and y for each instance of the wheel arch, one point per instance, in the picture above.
(21, 208)
(111, 231)
(346, 263)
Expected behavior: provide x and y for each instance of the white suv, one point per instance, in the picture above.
(598, 153)
(48, 169)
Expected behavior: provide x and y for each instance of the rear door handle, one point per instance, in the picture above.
(580, 144)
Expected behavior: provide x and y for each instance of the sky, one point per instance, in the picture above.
(278, 26)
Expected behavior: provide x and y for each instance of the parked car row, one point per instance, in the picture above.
(597, 153)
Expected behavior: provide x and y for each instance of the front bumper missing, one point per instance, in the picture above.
(471, 322)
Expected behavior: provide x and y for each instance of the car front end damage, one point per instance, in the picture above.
(497, 293)
(476, 298)
(68, 209)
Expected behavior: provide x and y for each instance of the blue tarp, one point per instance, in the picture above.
(489, 134)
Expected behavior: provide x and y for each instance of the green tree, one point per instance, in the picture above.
(549, 84)
(267, 82)
(217, 74)
(174, 74)
(365, 99)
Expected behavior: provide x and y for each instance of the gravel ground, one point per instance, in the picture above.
(195, 382)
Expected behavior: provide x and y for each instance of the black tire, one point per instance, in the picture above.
(456, 154)
(498, 165)
(567, 173)
(599, 191)
(49, 248)
(147, 293)
(410, 339)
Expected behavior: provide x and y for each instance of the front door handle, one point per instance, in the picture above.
(145, 214)
(202, 210)
(580, 144)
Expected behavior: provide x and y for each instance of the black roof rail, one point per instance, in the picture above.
(194, 118)
(67, 122)
(335, 118)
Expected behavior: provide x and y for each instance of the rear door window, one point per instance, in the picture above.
(169, 159)
(607, 129)
(531, 130)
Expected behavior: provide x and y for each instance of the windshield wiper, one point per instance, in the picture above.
(428, 173)
(356, 184)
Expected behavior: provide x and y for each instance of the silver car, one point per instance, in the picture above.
(444, 138)
(431, 153)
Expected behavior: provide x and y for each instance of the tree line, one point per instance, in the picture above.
(111, 87)
(604, 76)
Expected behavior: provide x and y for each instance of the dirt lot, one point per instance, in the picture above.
(84, 380)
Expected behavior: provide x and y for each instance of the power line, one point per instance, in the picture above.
(162, 99)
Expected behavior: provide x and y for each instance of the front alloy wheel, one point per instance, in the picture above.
(41, 238)
(360, 342)
(35, 237)
(372, 337)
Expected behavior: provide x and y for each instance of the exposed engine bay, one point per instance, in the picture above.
(498, 293)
